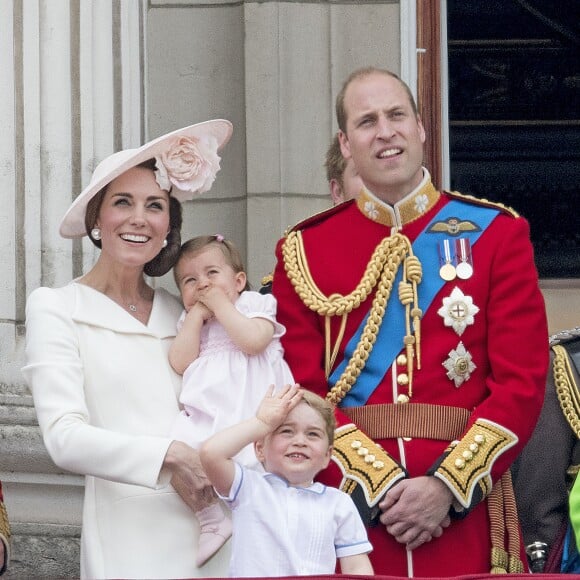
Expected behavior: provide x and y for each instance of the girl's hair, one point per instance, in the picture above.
(167, 257)
(195, 245)
(324, 408)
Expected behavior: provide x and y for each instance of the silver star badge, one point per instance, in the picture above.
(459, 365)
(458, 311)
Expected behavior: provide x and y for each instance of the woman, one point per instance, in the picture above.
(97, 364)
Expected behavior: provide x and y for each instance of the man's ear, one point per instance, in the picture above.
(344, 145)
(336, 192)
(421, 129)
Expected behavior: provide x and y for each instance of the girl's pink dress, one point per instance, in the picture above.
(225, 385)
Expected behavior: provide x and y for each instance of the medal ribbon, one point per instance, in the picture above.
(389, 344)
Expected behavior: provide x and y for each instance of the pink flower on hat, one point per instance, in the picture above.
(189, 164)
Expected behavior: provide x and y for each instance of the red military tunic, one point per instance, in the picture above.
(496, 358)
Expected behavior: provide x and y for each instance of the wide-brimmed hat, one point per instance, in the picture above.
(186, 161)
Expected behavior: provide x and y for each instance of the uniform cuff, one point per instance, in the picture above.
(466, 465)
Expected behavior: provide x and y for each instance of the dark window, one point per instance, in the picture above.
(514, 115)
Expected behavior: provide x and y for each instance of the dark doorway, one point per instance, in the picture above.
(514, 116)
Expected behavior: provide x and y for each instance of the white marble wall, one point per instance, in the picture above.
(273, 69)
(83, 78)
(70, 89)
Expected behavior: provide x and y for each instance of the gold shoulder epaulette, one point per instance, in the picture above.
(567, 387)
(484, 202)
(564, 336)
(267, 279)
(318, 217)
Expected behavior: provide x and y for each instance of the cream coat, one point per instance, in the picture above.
(106, 398)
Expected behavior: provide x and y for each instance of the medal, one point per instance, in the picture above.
(458, 311)
(464, 269)
(459, 365)
(447, 269)
(447, 272)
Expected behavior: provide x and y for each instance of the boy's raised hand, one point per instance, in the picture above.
(275, 406)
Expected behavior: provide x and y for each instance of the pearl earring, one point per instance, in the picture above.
(96, 234)
(165, 243)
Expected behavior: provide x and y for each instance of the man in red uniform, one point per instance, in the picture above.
(4, 534)
(418, 313)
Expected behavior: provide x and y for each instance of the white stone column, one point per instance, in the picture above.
(55, 140)
(71, 93)
(7, 168)
(297, 56)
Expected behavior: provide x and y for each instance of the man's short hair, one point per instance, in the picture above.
(335, 163)
(359, 74)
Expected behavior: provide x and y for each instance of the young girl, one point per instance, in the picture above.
(228, 350)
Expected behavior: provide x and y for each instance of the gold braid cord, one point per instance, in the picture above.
(380, 273)
(4, 534)
(566, 388)
(4, 524)
(503, 518)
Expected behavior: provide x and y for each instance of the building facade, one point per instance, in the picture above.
(82, 79)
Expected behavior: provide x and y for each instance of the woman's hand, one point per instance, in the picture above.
(188, 477)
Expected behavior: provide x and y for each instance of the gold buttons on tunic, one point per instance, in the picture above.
(403, 379)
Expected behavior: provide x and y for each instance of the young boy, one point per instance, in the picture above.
(284, 523)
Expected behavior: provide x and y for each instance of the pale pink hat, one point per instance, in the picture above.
(186, 161)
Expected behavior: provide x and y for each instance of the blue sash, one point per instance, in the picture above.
(391, 332)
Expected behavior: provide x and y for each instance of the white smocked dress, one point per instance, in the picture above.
(224, 385)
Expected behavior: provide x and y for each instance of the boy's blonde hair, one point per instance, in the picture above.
(325, 409)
